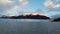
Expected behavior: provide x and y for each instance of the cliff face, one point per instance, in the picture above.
(28, 17)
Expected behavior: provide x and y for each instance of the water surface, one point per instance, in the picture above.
(29, 26)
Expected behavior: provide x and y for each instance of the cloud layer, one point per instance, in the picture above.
(23, 2)
(6, 5)
(53, 5)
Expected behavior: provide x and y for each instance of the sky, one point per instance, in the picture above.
(17, 7)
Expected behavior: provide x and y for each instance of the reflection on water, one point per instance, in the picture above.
(28, 26)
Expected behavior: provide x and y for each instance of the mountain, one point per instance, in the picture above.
(56, 18)
(27, 17)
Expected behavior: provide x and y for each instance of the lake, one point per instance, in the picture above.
(29, 26)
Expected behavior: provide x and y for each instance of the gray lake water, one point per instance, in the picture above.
(28, 26)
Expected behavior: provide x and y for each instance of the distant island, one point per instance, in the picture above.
(26, 17)
(56, 20)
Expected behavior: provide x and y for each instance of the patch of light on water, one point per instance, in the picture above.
(31, 20)
(24, 20)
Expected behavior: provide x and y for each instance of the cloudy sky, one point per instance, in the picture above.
(16, 7)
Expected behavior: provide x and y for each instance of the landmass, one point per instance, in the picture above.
(26, 17)
(56, 20)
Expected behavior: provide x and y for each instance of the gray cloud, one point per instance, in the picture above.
(53, 5)
(7, 5)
